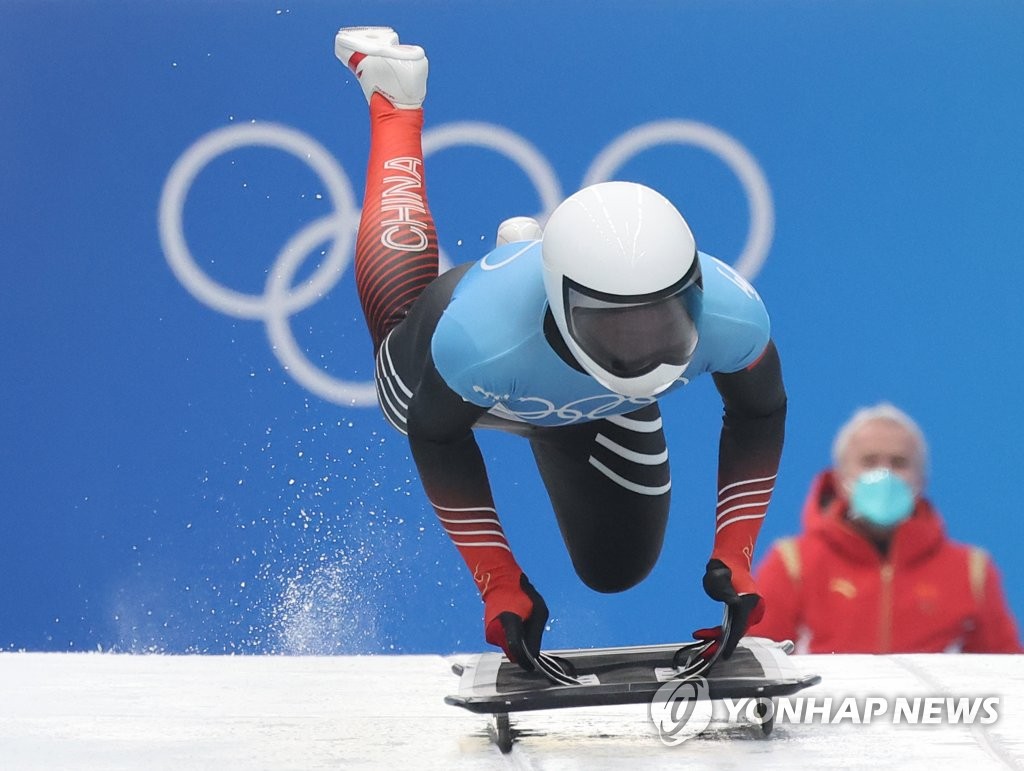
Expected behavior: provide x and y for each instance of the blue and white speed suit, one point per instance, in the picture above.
(480, 349)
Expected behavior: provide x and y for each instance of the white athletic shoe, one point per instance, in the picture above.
(383, 65)
(519, 229)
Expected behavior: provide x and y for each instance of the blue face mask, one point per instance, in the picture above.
(881, 498)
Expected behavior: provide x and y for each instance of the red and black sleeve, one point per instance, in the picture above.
(750, 447)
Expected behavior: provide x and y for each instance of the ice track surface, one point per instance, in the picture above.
(109, 711)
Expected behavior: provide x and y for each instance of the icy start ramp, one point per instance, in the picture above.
(109, 711)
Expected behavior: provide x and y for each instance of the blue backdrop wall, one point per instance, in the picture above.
(188, 457)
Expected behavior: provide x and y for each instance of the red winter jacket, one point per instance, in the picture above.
(831, 589)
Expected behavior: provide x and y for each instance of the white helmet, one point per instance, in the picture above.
(624, 285)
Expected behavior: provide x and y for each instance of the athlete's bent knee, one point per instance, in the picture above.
(612, 580)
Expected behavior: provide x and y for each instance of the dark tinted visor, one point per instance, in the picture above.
(631, 336)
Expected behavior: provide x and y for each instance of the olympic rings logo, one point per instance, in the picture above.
(280, 300)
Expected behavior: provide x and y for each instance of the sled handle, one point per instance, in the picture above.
(551, 668)
(698, 661)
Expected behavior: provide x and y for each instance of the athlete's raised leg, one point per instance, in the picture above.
(396, 248)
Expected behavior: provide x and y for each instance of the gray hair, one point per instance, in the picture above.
(880, 411)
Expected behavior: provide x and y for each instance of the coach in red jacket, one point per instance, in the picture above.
(874, 571)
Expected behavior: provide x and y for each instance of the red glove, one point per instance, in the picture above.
(744, 605)
(514, 618)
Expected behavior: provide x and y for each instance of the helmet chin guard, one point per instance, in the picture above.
(624, 286)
